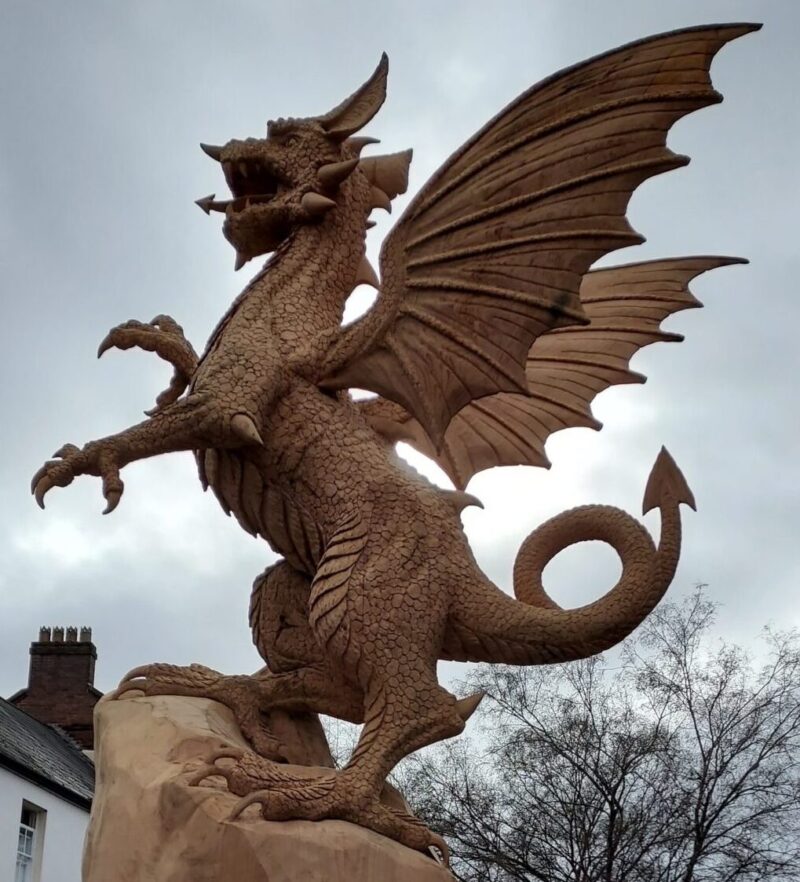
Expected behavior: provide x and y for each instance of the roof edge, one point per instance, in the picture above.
(45, 783)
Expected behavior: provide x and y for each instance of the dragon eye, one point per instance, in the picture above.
(292, 139)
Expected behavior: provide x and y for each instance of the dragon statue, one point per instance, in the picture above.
(489, 332)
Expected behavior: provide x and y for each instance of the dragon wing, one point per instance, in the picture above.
(566, 368)
(492, 251)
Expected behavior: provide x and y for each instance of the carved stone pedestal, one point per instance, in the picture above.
(148, 825)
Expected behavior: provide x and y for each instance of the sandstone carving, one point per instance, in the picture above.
(490, 331)
(147, 753)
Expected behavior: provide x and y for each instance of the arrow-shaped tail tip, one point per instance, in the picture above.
(666, 485)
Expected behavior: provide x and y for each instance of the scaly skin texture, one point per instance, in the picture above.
(378, 582)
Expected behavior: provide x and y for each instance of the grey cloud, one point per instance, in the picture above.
(103, 108)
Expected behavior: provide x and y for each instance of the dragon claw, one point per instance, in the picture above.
(57, 472)
(163, 679)
(40, 489)
(210, 767)
(135, 673)
(139, 685)
(234, 753)
(442, 847)
(208, 771)
(112, 500)
(258, 796)
(69, 461)
(164, 336)
(112, 490)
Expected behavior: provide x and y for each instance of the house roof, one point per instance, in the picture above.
(45, 755)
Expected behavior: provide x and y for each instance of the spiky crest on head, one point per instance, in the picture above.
(292, 177)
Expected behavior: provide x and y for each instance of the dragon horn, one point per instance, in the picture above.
(334, 173)
(316, 204)
(356, 145)
(357, 110)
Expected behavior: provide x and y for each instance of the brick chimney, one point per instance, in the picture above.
(61, 682)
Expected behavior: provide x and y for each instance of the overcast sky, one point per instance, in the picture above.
(103, 108)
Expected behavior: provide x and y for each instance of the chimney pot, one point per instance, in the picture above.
(61, 681)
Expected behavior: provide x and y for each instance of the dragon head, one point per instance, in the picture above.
(290, 177)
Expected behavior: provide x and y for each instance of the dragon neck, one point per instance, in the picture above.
(304, 285)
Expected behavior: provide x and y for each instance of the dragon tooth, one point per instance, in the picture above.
(241, 260)
(243, 170)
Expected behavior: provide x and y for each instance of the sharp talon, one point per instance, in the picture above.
(38, 477)
(234, 753)
(104, 346)
(135, 674)
(207, 772)
(246, 802)
(131, 686)
(439, 843)
(112, 499)
(42, 486)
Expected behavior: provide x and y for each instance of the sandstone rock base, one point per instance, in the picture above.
(148, 825)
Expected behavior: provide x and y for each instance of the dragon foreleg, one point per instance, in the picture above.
(164, 336)
(193, 423)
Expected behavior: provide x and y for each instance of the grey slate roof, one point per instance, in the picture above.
(44, 755)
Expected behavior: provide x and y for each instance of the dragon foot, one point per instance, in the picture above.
(240, 694)
(282, 796)
(164, 336)
(96, 458)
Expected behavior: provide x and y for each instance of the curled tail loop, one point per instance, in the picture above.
(488, 625)
(605, 523)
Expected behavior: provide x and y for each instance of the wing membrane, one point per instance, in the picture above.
(491, 253)
(565, 370)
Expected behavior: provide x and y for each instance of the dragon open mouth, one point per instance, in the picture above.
(251, 182)
(251, 178)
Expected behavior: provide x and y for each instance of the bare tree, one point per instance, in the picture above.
(680, 762)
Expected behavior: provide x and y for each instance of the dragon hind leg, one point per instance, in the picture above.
(282, 795)
(402, 714)
(253, 698)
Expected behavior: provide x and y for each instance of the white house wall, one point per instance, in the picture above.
(63, 836)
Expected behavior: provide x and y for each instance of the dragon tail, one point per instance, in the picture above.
(486, 624)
